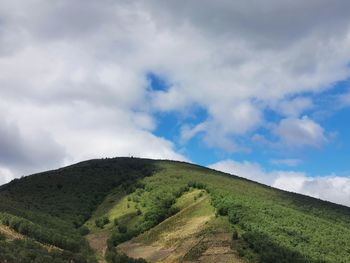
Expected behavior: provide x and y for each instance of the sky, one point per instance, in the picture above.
(260, 89)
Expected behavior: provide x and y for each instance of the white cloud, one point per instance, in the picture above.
(27, 151)
(187, 132)
(294, 107)
(239, 57)
(295, 132)
(245, 169)
(82, 81)
(77, 132)
(332, 188)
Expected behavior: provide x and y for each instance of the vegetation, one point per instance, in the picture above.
(51, 207)
(129, 198)
(29, 251)
(269, 225)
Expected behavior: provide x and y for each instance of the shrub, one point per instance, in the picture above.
(223, 211)
(84, 230)
(122, 229)
(235, 235)
(101, 222)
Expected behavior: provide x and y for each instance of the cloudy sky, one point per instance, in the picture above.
(258, 89)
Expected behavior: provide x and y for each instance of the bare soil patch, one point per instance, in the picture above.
(98, 242)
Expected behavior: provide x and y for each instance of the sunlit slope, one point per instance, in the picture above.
(270, 224)
(193, 234)
(164, 211)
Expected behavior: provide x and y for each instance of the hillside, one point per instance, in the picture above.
(121, 209)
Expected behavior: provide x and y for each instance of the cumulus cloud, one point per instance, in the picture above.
(294, 107)
(249, 55)
(295, 132)
(74, 73)
(27, 152)
(332, 188)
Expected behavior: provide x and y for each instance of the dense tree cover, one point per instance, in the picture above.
(72, 193)
(276, 231)
(40, 233)
(23, 251)
(51, 207)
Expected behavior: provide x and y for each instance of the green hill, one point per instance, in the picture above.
(121, 209)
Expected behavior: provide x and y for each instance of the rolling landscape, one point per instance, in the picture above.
(179, 131)
(143, 210)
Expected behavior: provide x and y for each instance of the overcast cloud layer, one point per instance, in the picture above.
(73, 77)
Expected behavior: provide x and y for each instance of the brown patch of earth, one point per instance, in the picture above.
(98, 242)
(214, 248)
(150, 252)
(220, 258)
(178, 239)
(171, 246)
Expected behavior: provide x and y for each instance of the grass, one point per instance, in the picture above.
(270, 223)
(188, 198)
(186, 223)
(170, 240)
(116, 207)
(188, 234)
(295, 226)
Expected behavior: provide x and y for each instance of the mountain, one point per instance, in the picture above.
(125, 209)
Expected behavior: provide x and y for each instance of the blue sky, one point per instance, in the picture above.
(248, 89)
(333, 157)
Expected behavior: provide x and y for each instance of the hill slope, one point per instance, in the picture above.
(163, 211)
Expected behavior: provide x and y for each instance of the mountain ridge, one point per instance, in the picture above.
(134, 195)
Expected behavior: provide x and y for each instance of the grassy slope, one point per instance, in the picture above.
(189, 235)
(303, 227)
(271, 224)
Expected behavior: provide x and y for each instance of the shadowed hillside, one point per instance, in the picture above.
(121, 209)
